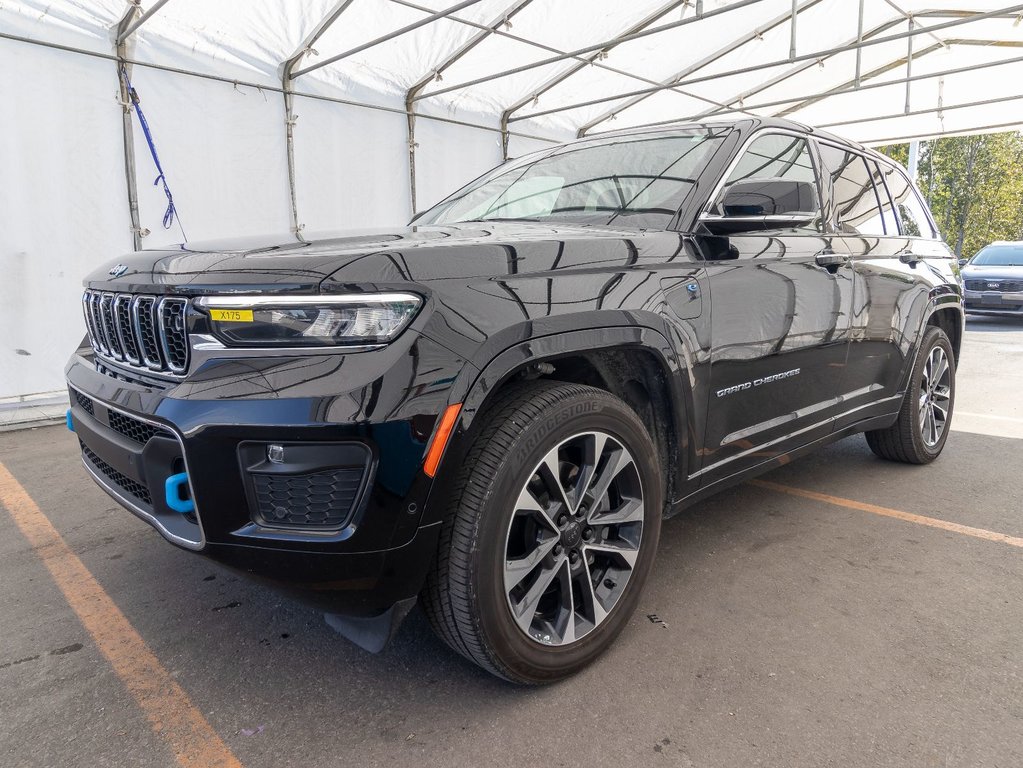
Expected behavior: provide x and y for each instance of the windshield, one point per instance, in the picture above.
(638, 181)
(999, 256)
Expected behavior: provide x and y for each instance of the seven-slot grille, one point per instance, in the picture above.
(1005, 286)
(144, 332)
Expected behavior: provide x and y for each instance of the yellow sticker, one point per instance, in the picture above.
(231, 315)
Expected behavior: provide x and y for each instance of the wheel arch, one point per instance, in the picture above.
(635, 363)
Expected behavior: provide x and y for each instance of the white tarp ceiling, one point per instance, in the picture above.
(728, 57)
(487, 78)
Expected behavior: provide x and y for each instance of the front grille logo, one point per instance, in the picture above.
(117, 270)
(993, 286)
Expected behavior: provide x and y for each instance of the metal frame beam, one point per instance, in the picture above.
(123, 33)
(808, 57)
(590, 48)
(435, 74)
(845, 89)
(594, 62)
(304, 48)
(263, 87)
(697, 66)
(740, 98)
(928, 111)
(941, 134)
(579, 66)
(389, 36)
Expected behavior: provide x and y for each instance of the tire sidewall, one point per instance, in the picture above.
(523, 657)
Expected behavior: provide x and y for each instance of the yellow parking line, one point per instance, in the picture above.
(909, 517)
(170, 712)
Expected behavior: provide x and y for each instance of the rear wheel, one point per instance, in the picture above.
(554, 523)
(919, 434)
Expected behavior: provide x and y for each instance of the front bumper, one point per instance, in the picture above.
(993, 302)
(373, 554)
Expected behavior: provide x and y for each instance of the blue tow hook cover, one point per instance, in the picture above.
(172, 490)
(68, 420)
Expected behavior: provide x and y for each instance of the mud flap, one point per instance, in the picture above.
(374, 633)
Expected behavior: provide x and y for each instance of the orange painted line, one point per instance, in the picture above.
(171, 713)
(909, 517)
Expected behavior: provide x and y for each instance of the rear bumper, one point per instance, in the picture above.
(371, 555)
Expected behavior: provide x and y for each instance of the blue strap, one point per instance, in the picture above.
(171, 212)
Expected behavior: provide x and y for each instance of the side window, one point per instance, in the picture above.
(773, 158)
(856, 203)
(880, 175)
(911, 210)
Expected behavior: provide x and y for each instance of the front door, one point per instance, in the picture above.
(780, 321)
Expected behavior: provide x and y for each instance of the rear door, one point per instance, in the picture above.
(883, 229)
(779, 322)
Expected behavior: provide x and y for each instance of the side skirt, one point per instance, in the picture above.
(875, 422)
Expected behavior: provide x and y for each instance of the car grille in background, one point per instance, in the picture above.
(314, 500)
(1004, 286)
(143, 332)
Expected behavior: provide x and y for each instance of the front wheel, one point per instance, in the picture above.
(554, 523)
(920, 432)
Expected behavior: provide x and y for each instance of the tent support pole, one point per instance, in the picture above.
(914, 159)
(909, 62)
(794, 15)
(124, 28)
(124, 32)
(435, 74)
(859, 45)
(287, 89)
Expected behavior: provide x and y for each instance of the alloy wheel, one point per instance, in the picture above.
(935, 396)
(573, 539)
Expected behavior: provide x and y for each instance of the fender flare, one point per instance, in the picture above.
(474, 391)
(940, 299)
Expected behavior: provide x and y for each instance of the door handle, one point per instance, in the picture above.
(828, 258)
(908, 257)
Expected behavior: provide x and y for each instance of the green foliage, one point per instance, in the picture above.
(973, 185)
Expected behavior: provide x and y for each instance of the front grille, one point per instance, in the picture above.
(143, 332)
(314, 500)
(133, 429)
(126, 484)
(85, 401)
(1004, 286)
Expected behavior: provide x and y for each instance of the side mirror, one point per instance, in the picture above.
(963, 262)
(760, 204)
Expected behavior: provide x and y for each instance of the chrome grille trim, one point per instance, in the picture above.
(122, 319)
(106, 312)
(142, 332)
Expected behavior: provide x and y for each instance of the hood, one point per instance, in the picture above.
(993, 272)
(287, 264)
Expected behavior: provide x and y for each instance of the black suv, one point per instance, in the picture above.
(492, 409)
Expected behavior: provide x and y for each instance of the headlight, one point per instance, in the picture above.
(310, 321)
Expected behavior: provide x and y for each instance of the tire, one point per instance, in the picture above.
(919, 434)
(506, 520)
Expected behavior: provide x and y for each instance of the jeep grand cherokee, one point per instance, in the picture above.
(492, 409)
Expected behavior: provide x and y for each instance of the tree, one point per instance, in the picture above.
(973, 185)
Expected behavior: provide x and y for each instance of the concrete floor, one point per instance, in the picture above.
(794, 632)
